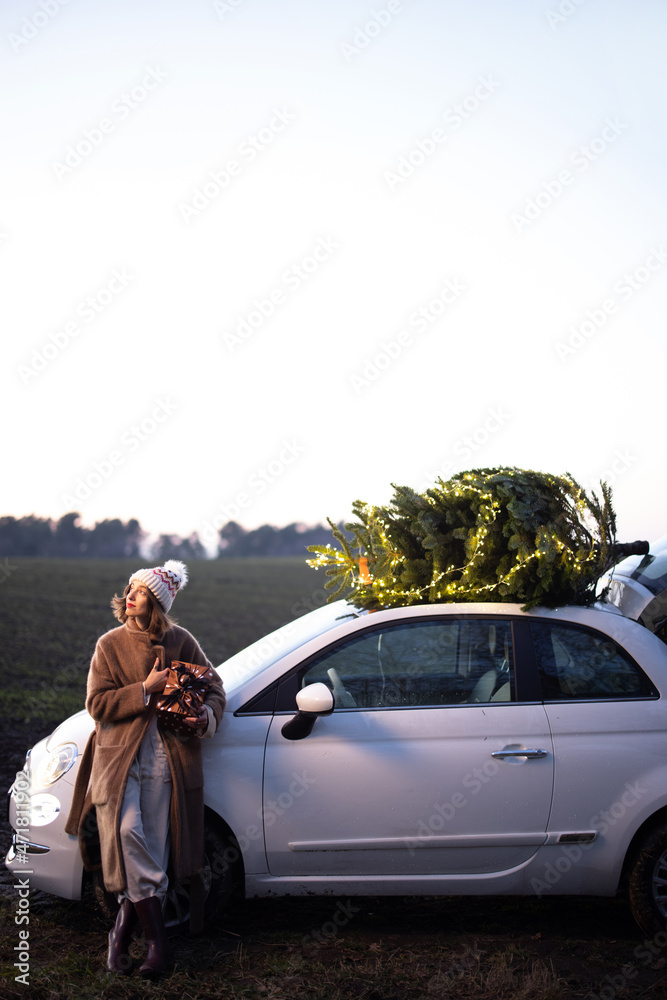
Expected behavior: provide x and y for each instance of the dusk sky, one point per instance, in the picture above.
(262, 259)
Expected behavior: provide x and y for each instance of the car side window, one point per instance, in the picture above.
(576, 663)
(420, 664)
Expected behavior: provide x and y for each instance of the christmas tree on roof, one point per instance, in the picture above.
(504, 534)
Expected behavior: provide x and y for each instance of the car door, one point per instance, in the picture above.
(429, 763)
(608, 727)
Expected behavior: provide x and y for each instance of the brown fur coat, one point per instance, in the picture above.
(122, 660)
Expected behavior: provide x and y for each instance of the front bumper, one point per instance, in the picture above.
(45, 855)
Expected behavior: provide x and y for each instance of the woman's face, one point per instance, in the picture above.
(136, 603)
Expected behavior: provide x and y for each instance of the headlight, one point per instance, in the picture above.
(44, 808)
(55, 765)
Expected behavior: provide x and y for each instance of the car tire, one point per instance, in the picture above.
(223, 876)
(105, 903)
(647, 882)
(222, 879)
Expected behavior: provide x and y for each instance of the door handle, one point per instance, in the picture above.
(532, 754)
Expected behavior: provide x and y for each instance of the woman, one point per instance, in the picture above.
(146, 785)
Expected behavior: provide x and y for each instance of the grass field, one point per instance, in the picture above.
(51, 612)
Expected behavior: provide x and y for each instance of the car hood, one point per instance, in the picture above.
(76, 729)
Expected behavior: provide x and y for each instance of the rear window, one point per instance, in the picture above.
(575, 663)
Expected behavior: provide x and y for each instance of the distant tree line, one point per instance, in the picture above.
(38, 536)
(113, 539)
(292, 540)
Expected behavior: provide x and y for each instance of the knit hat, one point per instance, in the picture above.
(164, 582)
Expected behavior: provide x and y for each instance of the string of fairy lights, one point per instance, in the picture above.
(375, 570)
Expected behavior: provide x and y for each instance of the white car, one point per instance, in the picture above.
(437, 749)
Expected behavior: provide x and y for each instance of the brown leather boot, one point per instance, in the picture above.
(120, 938)
(158, 958)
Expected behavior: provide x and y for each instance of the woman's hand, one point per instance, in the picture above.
(157, 679)
(197, 721)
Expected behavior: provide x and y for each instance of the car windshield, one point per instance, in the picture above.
(252, 660)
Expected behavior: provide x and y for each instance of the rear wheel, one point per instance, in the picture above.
(647, 885)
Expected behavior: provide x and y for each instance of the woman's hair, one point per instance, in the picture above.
(159, 622)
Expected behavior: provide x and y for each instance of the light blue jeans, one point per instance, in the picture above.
(144, 821)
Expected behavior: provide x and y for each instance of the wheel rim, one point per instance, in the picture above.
(659, 884)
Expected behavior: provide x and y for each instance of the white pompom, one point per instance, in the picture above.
(179, 570)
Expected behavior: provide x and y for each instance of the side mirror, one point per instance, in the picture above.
(311, 701)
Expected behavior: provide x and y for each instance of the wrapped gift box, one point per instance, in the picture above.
(183, 696)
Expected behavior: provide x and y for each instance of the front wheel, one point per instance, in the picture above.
(222, 878)
(223, 874)
(647, 884)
